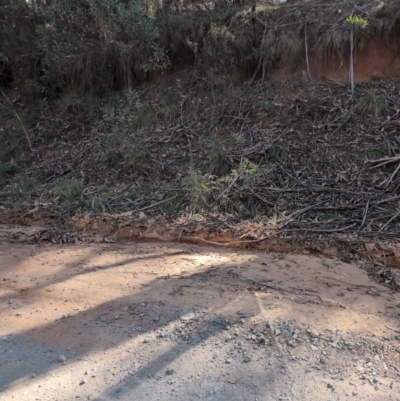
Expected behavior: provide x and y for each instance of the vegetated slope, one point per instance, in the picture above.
(225, 138)
(304, 156)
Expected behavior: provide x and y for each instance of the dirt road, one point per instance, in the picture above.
(180, 322)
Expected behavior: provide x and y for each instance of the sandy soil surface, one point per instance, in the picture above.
(181, 322)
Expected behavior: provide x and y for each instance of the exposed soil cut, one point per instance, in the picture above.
(374, 59)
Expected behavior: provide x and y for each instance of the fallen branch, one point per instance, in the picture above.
(228, 243)
(157, 204)
(392, 328)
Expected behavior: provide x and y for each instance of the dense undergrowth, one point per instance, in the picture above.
(97, 46)
(82, 128)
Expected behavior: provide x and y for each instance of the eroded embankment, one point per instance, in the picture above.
(380, 258)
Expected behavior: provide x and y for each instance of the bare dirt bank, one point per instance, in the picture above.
(380, 258)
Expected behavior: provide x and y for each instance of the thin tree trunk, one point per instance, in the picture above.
(306, 48)
(352, 60)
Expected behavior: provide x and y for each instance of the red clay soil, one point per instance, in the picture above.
(127, 227)
(375, 59)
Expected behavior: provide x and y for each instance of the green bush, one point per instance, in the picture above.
(68, 193)
(357, 22)
(97, 44)
(18, 193)
(372, 105)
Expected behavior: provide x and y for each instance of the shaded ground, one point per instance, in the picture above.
(180, 322)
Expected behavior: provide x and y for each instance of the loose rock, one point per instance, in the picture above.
(187, 315)
(313, 333)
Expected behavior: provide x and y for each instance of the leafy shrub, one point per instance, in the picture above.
(97, 44)
(18, 193)
(68, 193)
(197, 186)
(356, 22)
(8, 169)
(372, 105)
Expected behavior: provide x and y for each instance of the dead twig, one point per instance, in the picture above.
(157, 204)
(389, 221)
(228, 243)
(306, 49)
(392, 328)
(228, 188)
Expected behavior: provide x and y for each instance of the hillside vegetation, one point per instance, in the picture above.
(197, 107)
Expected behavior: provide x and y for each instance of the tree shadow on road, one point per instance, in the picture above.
(149, 318)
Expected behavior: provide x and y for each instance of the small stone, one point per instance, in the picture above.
(246, 359)
(86, 372)
(187, 315)
(314, 348)
(322, 359)
(377, 358)
(33, 376)
(11, 301)
(313, 333)
(143, 304)
(170, 371)
(83, 381)
(228, 360)
(62, 358)
(261, 340)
